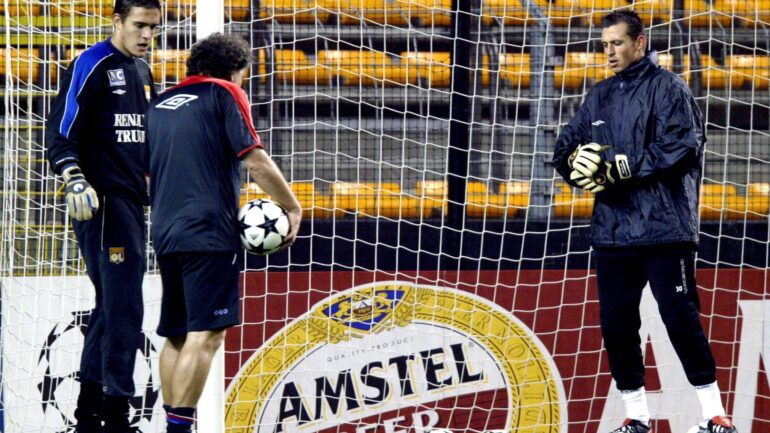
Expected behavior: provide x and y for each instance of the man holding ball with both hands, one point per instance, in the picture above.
(637, 143)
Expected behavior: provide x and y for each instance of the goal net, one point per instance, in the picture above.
(442, 280)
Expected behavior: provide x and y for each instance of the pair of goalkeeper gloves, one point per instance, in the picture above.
(82, 201)
(592, 172)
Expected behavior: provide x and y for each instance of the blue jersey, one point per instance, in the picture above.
(97, 121)
(197, 132)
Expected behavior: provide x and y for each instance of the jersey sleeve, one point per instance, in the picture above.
(69, 111)
(238, 122)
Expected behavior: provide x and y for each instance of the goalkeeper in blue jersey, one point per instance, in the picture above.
(95, 141)
(637, 142)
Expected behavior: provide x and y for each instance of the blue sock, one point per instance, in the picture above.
(180, 419)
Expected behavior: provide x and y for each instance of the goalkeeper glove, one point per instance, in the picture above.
(82, 200)
(586, 159)
(585, 182)
(612, 172)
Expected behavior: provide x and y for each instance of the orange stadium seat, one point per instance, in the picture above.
(513, 69)
(378, 11)
(482, 203)
(650, 11)
(356, 66)
(703, 13)
(433, 193)
(295, 11)
(580, 67)
(571, 202)
(753, 12)
(18, 8)
(293, 66)
(754, 69)
(314, 204)
(431, 68)
(719, 199)
(716, 76)
(516, 194)
(169, 65)
(25, 65)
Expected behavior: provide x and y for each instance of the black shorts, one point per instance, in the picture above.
(200, 292)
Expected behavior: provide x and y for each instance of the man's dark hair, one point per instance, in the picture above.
(635, 26)
(123, 7)
(218, 56)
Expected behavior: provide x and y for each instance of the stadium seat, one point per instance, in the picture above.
(513, 12)
(19, 8)
(235, 10)
(169, 65)
(721, 200)
(650, 11)
(251, 191)
(377, 11)
(666, 60)
(482, 203)
(580, 67)
(513, 69)
(25, 65)
(705, 13)
(759, 200)
(516, 193)
(754, 69)
(430, 68)
(377, 199)
(295, 11)
(102, 8)
(433, 193)
(356, 67)
(715, 76)
(571, 202)
(427, 12)
(293, 66)
(314, 204)
(751, 13)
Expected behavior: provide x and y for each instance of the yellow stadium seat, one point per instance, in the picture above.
(427, 67)
(356, 66)
(580, 67)
(295, 11)
(650, 11)
(169, 65)
(314, 204)
(427, 12)
(19, 8)
(715, 76)
(235, 10)
(513, 12)
(378, 11)
(759, 200)
(666, 60)
(571, 202)
(516, 193)
(482, 203)
(293, 66)
(102, 8)
(433, 193)
(753, 12)
(377, 199)
(703, 13)
(754, 69)
(718, 200)
(513, 69)
(25, 65)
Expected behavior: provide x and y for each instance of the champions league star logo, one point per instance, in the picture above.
(59, 361)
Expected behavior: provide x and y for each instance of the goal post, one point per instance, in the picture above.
(442, 279)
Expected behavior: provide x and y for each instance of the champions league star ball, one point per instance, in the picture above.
(264, 225)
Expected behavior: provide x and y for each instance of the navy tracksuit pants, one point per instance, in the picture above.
(670, 269)
(113, 245)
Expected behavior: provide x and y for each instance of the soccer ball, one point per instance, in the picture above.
(264, 225)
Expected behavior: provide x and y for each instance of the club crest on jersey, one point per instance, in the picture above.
(117, 255)
(147, 92)
(117, 77)
(176, 101)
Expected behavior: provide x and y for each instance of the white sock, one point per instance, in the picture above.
(636, 405)
(710, 401)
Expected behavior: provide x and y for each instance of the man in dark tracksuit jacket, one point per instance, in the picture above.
(637, 143)
(96, 142)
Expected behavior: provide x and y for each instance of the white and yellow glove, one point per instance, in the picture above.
(586, 159)
(81, 197)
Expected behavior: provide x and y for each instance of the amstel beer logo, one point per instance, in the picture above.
(399, 358)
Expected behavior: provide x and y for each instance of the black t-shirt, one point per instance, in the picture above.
(197, 131)
(97, 121)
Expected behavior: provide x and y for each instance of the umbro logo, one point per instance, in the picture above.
(598, 123)
(176, 101)
(119, 92)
